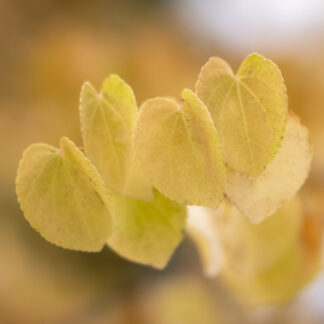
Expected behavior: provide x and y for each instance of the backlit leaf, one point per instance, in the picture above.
(257, 198)
(147, 232)
(107, 121)
(249, 110)
(177, 146)
(63, 196)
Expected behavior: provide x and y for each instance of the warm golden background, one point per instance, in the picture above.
(47, 50)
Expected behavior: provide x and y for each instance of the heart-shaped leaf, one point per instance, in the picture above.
(107, 121)
(258, 198)
(63, 196)
(147, 232)
(249, 110)
(177, 147)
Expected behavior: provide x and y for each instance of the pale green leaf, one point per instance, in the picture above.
(258, 198)
(249, 110)
(63, 197)
(107, 121)
(177, 147)
(147, 232)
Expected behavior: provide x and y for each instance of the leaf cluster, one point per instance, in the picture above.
(233, 136)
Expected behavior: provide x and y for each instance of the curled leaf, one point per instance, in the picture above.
(147, 232)
(179, 151)
(63, 197)
(249, 110)
(258, 198)
(107, 121)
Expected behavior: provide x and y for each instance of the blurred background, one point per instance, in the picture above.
(47, 50)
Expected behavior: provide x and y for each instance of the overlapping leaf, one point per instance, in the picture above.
(63, 196)
(259, 198)
(147, 232)
(178, 148)
(107, 121)
(249, 110)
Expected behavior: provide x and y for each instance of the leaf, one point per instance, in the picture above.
(249, 110)
(289, 252)
(265, 263)
(248, 248)
(63, 196)
(107, 121)
(201, 228)
(259, 198)
(224, 238)
(147, 232)
(179, 151)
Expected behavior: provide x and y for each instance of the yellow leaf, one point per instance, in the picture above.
(63, 196)
(249, 110)
(179, 151)
(147, 232)
(107, 121)
(258, 198)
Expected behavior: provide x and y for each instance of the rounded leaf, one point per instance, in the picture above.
(63, 197)
(249, 110)
(177, 147)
